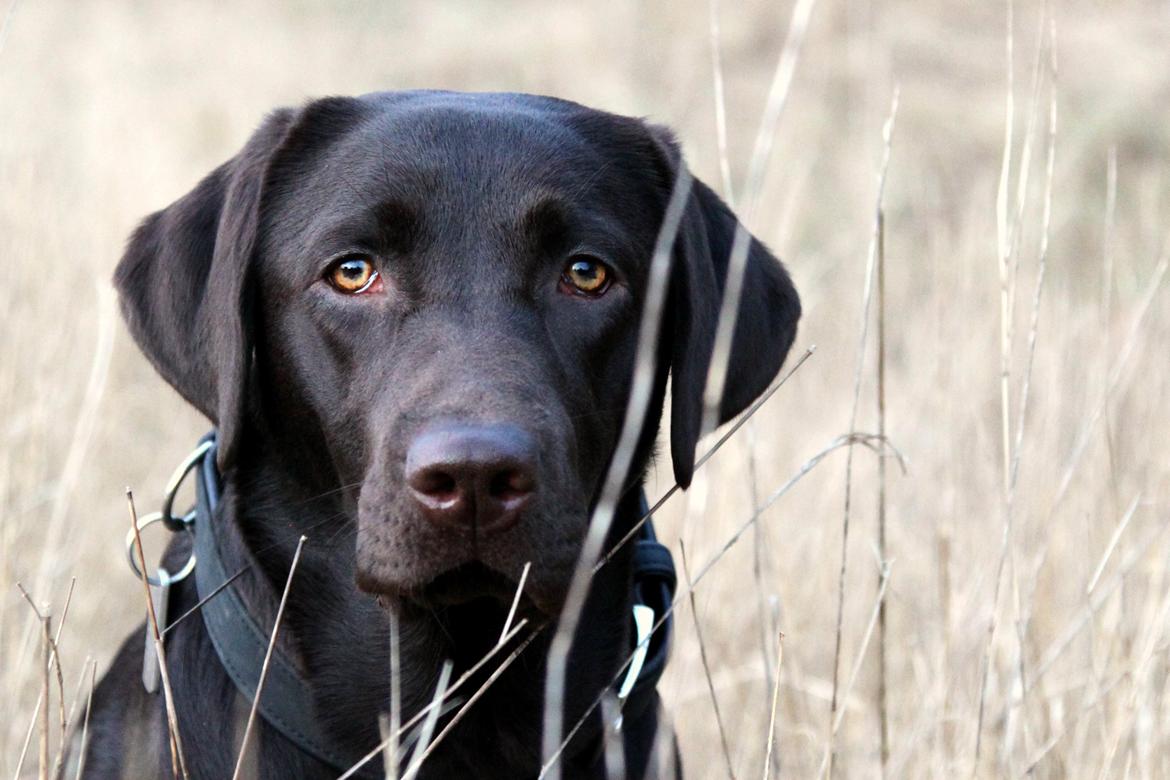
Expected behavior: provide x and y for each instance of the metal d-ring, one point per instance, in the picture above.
(145, 522)
(177, 476)
(167, 516)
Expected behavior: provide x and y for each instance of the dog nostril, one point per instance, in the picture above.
(435, 483)
(510, 484)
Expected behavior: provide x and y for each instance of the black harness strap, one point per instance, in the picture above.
(286, 702)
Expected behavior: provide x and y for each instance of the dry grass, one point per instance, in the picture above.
(108, 111)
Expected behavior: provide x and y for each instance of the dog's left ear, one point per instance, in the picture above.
(765, 324)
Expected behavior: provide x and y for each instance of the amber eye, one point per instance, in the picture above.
(352, 275)
(586, 276)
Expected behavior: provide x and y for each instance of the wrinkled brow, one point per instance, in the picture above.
(397, 224)
(544, 222)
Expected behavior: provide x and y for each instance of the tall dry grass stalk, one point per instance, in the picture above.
(863, 343)
(682, 552)
(1050, 240)
(645, 357)
(174, 738)
(292, 571)
(882, 542)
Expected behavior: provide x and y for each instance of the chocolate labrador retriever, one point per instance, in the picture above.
(411, 317)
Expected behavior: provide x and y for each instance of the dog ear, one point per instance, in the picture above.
(765, 324)
(184, 281)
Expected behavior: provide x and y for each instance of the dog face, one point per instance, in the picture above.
(430, 301)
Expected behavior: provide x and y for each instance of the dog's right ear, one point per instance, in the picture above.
(184, 279)
(765, 322)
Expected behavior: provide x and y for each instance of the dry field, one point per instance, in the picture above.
(1026, 542)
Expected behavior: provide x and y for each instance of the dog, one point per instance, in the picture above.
(412, 319)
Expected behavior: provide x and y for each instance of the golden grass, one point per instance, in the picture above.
(108, 111)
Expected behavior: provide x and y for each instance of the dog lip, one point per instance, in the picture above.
(468, 582)
(458, 586)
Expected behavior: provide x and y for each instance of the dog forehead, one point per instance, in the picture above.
(482, 145)
(467, 162)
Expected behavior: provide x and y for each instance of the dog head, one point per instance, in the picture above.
(429, 301)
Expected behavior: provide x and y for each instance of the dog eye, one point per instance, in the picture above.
(585, 276)
(352, 275)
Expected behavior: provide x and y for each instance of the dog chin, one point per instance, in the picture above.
(468, 584)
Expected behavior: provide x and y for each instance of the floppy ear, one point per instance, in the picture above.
(764, 328)
(184, 279)
(183, 284)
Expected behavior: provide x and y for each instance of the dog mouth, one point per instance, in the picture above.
(467, 583)
(471, 585)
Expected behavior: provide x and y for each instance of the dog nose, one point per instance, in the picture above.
(475, 478)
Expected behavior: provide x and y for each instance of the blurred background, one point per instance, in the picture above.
(1026, 607)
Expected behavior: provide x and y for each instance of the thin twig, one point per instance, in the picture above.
(515, 602)
(292, 570)
(883, 552)
(1003, 235)
(759, 553)
(57, 659)
(178, 764)
(706, 664)
(391, 741)
(775, 699)
(43, 729)
(32, 727)
(203, 601)
(85, 722)
(1114, 538)
(7, 23)
(1023, 181)
(59, 763)
(1107, 238)
(720, 103)
(869, 627)
(764, 612)
(863, 338)
(428, 727)
(827, 760)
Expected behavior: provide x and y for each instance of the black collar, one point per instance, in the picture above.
(287, 703)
